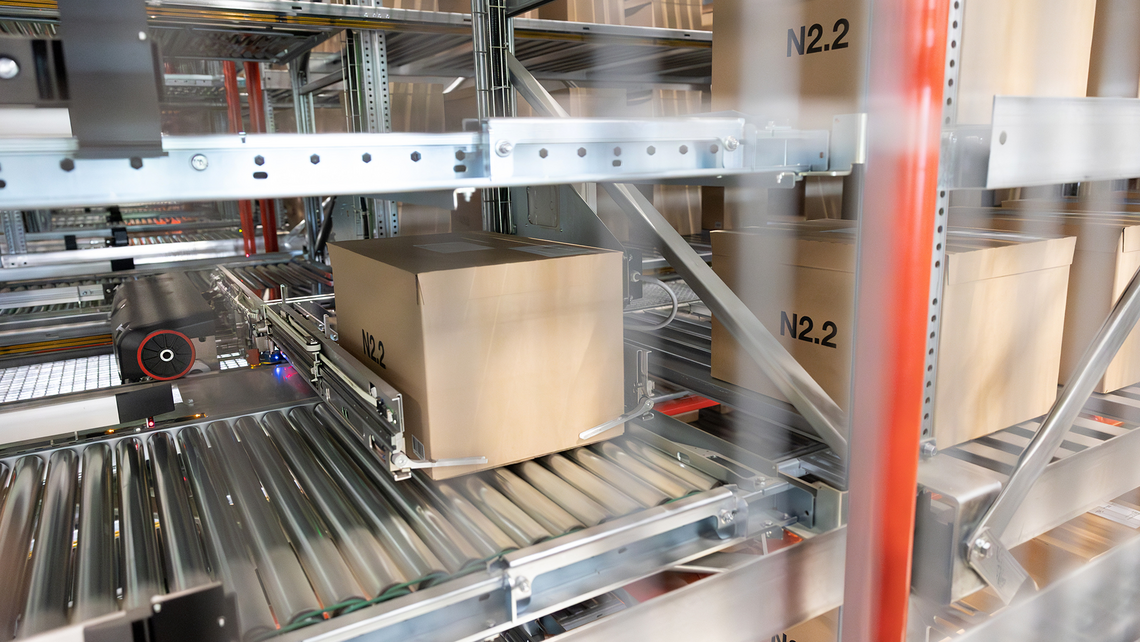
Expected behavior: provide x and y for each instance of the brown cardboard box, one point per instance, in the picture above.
(665, 14)
(1009, 47)
(608, 12)
(1002, 316)
(502, 346)
(1107, 254)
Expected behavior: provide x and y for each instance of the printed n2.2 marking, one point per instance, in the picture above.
(815, 32)
(370, 345)
(805, 325)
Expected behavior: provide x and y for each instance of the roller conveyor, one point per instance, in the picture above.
(293, 514)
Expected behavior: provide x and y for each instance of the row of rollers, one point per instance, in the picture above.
(336, 533)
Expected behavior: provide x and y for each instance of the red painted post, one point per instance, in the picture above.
(906, 74)
(233, 105)
(257, 124)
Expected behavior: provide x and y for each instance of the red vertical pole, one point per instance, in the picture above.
(233, 105)
(257, 124)
(906, 74)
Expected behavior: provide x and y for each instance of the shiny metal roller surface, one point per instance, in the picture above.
(284, 580)
(225, 550)
(17, 519)
(94, 591)
(142, 568)
(294, 514)
(46, 605)
(328, 574)
(374, 569)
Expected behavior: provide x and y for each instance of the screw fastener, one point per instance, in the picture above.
(731, 143)
(314, 159)
(984, 548)
(9, 68)
(504, 148)
(200, 162)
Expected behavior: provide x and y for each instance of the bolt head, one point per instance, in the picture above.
(399, 460)
(366, 157)
(136, 162)
(259, 160)
(651, 150)
(314, 159)
(504, 148)
(542, 153)
(200, 162)
(731, 143)
(67, 164)
(684, 149)
(9, 68)
(523, 585)
(142, 36)
(929, 449)
(581, 152)
(416, 157)
(714, 148)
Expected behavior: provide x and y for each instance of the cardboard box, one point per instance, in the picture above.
(502, 346)
(1003, 311)
(665, 14)
(1107, 254)
(1009, 47)
(608, 12)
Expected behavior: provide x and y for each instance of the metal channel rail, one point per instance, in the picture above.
(297, 518)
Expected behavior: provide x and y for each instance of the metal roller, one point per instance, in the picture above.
(667, 464)
(49, 567)
(615, 501)
(453, 554)
(373, 568)
(434, 514)
(94, 592)
(182, 552)
(141, 567)
(513, 521)
(332, 581)
(225, 550)
(587, 511)
(412, 556)
(613, 475)
(286, 585)
(539, 506)
(460, 504)
(662, 481)
(481, 532)
(17, 519)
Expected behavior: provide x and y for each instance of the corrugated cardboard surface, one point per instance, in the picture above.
(608, 12)
(1107, 255)
(1000, 343)
(499, 352)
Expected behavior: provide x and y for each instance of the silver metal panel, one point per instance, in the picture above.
(1044, 141)
(1096, 602)
(749, 603)
(224, 167)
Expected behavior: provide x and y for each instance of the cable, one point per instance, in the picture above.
(672, 296)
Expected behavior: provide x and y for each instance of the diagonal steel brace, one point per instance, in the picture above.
(785, 372)
(986, 553)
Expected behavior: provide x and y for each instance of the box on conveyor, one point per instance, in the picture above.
(1107, 255)
(1003, 310)
(502, 346)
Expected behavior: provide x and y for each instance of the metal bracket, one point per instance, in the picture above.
(996, 565)
(642, 391)
(109, 55)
